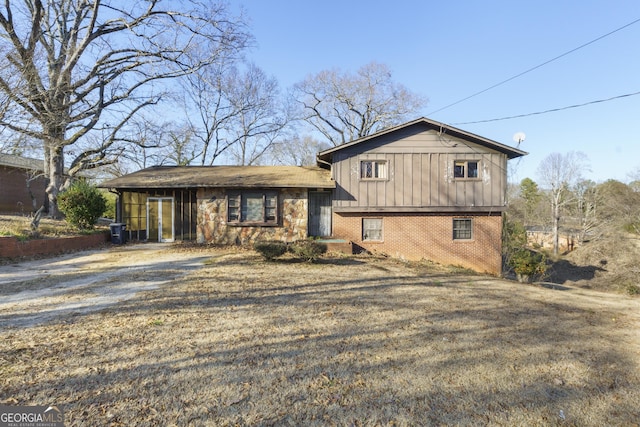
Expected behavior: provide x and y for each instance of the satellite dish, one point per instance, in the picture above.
(519, 137)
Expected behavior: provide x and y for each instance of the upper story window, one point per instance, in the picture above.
(373, 169)
(466, 169)
(256, 207)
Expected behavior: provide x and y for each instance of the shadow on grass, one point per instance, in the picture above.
(562, 271)
(291, 347)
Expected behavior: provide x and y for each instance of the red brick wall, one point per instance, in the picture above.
(428, 236)
(14, 195)
(10, 247)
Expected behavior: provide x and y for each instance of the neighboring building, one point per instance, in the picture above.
(420, 190)
(22, 184)
(542, 238)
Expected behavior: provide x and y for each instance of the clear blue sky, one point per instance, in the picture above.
(449, 50)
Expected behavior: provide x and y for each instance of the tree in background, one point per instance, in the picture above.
(181, 149)
(69, 68)
(618, 206)
(295, 150)
(344, 107)
(234, 112)
(260, 118)
(151, 145)
(531, 195)
(585, 210)
(558, 174)
(634, 177)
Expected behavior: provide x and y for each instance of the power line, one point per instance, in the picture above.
(553, 110)
(536, 67)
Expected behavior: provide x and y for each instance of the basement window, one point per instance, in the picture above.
(466, 169)
(371, 229)
(462, 229)
(253, 208)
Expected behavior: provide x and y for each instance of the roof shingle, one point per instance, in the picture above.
(225, 177)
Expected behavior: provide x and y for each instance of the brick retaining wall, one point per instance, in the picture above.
(11, 247)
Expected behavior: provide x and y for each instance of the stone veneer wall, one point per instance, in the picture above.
(213, 227)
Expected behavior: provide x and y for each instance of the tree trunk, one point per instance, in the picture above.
(556, 227)
(56, 177)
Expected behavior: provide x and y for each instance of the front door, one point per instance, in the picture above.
(160, 219)
(319, 213)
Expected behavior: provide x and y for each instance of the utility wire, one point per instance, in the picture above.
(536, 67)
(553, 110)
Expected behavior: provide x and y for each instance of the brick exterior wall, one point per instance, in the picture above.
(428, 236)
(14, 195)
(10, 247)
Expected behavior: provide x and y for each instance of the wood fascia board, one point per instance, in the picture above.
(511, 152)
(419, 209)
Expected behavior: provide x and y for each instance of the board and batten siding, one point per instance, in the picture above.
(419, 174)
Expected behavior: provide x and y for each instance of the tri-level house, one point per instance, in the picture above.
(421, 190)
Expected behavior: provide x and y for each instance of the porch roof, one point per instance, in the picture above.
(224, 177)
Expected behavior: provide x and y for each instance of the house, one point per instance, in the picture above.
(224, 204)
(419, 190)
(423, 190)
(540, 237)
(22, 184)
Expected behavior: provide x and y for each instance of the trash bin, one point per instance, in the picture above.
(118, 236)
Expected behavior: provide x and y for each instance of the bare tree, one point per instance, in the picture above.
(586, 208)
(236, 112)
(634, 178)
(558, 173)
(17, 144)
(298, 151)
(152, 147)
(180, 148)
(259, 119)
(72, 66)
(344, 107)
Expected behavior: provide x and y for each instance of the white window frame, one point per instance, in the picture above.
(367, 227)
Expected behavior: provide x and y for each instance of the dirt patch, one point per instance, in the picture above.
(234, 340)
(42, 290)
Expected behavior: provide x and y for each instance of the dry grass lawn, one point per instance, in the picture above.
(346, 341)
(20, 226)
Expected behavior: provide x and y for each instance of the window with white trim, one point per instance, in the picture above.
(462, 229)
(466, 169)
(373, 169)
(371, 229)
(255, 207)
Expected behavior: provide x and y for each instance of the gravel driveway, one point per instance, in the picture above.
(36, 292)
